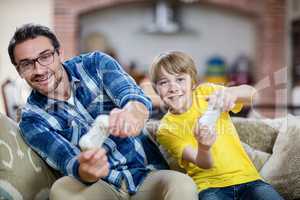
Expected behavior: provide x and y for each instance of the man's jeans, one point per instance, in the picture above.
(255, 190)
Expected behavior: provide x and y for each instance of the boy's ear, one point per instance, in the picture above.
(194, 85)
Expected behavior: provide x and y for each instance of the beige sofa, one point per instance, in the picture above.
(273, 145)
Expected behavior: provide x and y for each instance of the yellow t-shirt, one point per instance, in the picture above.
(231, 163)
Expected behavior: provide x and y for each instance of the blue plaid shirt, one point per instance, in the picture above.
(53, 127)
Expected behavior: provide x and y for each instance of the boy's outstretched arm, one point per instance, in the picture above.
(243, 93)
(227, 97)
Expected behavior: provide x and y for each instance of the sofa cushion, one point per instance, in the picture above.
(282, 170)
(256, 133)
(257, 157)
(23, 175)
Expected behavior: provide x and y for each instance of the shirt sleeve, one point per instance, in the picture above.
(118, 84)
(207, 89)
(173, 145)
(59, 153)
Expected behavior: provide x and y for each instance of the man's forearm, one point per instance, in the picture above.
(139, 110)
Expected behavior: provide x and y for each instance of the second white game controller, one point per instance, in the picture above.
(211, 115)
(96, 135)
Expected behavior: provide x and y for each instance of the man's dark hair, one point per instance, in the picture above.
(30, 31)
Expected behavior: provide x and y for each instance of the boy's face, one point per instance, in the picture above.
(175, 90)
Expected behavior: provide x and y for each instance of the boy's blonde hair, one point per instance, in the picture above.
(174, 62)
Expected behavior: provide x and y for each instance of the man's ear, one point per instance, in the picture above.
(22, 77)
(61, 54)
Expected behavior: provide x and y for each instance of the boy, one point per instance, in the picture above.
(213, 157)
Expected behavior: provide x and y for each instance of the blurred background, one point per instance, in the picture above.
(233, 42)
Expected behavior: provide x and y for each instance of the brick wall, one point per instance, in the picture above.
(268, 14)
(66, 22)
(270, 52)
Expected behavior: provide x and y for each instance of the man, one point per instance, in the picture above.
(65, 100)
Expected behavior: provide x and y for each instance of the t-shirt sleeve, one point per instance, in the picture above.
(173, 144)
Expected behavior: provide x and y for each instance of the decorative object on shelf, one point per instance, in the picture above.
(216, 70)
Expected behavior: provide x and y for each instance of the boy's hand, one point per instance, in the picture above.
(93, 165)
(205, 136)
(222, 99)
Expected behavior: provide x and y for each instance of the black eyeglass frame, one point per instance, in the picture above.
(33, 62)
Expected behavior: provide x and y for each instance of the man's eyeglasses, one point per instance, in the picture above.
(27, 66)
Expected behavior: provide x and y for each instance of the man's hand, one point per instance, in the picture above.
(129, 120)
(205, 136)
(93, 165)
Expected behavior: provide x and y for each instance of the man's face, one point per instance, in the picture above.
(175, 90)
(39, 64)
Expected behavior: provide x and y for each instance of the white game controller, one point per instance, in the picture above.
(210, 116)
(96, 135)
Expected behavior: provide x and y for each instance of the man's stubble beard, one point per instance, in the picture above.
(57, 82)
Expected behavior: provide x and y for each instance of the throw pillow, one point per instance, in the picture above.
(257, 157)
(256, 133)
(282, 170)
(23, 175)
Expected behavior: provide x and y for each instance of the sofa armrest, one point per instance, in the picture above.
(23, 174)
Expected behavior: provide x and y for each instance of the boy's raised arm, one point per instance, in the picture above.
(243, 93)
